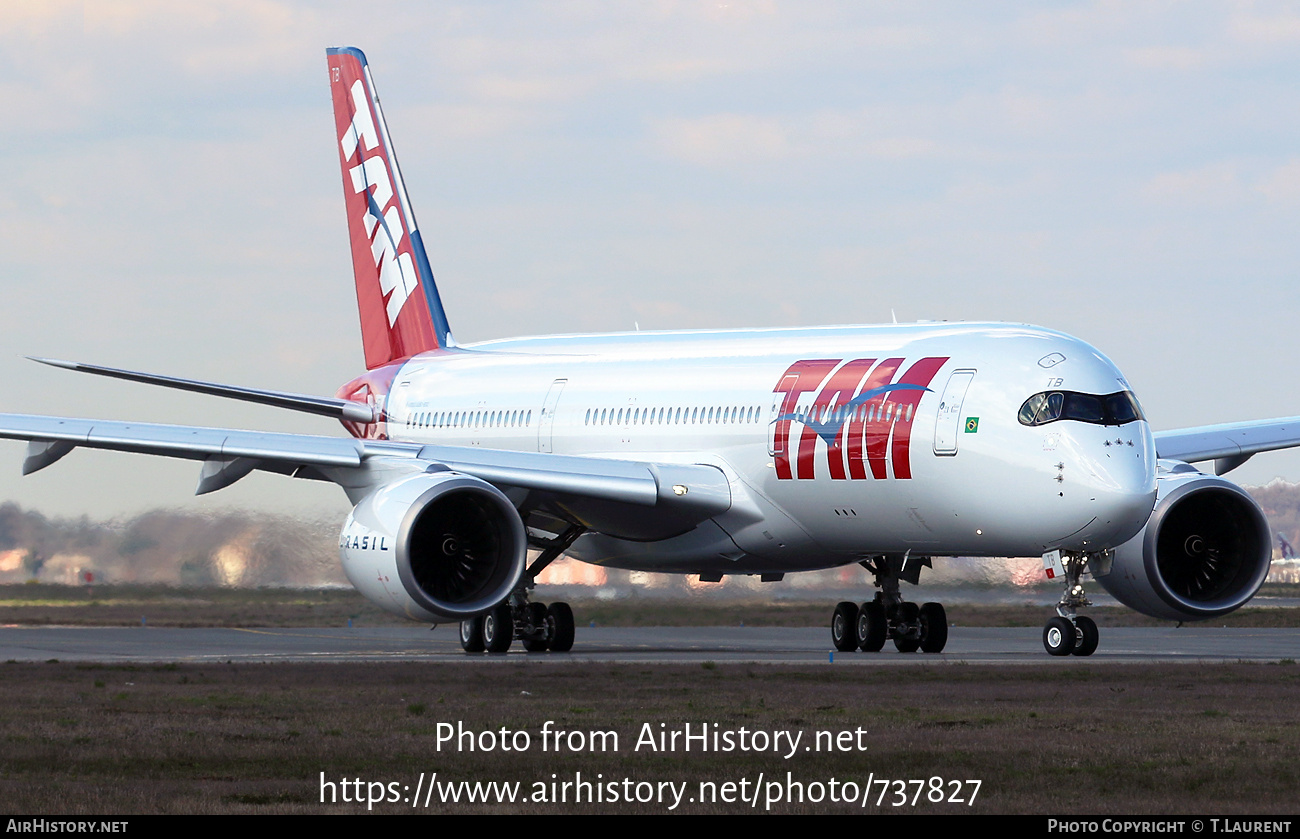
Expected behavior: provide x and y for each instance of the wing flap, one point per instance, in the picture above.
(175, 441)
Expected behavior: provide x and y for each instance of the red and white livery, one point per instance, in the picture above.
(760, 452)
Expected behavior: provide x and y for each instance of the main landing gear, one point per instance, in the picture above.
(541, 628)
(868, 626)
(1070, 633)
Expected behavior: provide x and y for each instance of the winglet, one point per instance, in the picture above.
(401, 312)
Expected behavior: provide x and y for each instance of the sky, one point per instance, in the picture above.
(1128, 173)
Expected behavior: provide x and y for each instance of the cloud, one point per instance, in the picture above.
(531, 89)
(1225, 183)
(1282, 185)
(1281, 29)
(1210, 185)
(1168, 57)
(733, 140)
(723, 140)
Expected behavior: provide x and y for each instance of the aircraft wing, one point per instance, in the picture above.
(1228, 445)
(230, 454)
(342, 409)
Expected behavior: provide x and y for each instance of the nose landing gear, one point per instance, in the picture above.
(1070, 633)
(1061, 636)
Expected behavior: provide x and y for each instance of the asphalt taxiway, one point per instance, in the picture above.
(629, 645)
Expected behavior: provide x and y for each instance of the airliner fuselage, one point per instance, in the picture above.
(838, 442)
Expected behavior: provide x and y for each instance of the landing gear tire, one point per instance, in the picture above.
(843, 622)
(471, 634)
(1059, 636)
(562, 616)
(907, 645)
(934, 628)
(907, 627)
(543, 629)
(1086, 637)
(498, 629)
(872, 627)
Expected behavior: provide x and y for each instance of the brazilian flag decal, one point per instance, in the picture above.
(972, 424)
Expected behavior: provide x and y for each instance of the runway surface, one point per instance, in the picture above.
(632, 645)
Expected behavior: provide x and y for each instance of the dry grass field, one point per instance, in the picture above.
(1078, 738)
(256, 738)
(128, 605)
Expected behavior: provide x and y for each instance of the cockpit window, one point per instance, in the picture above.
(1084, 407)
(1115, 409)
(1123, 407)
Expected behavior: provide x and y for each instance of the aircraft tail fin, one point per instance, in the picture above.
(401, 312)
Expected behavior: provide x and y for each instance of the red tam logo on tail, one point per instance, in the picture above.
(388, 260)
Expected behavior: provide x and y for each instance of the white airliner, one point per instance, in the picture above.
(713, 453)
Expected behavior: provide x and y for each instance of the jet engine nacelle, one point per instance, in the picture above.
(437, 546)
(1204, 552)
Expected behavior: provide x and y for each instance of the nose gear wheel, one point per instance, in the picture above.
(1069, 633)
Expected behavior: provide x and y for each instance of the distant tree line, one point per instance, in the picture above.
(170, 547)
(240, 548)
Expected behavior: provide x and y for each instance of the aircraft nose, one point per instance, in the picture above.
(1115, 470)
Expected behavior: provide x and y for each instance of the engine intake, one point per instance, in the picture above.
(1204, 552)
(436, 546)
